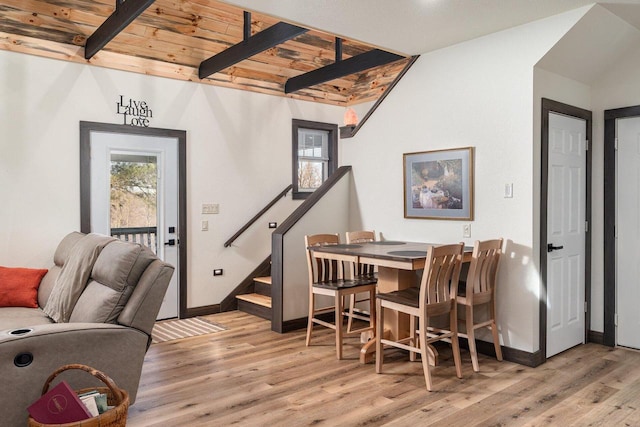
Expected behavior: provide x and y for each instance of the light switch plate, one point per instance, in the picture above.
(466, 230)
(508, 191)
(205, 225)
(210, 208)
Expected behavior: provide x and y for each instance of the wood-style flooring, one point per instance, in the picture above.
(250, 376)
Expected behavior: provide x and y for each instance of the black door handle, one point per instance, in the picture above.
(551, 248)
(171, 242)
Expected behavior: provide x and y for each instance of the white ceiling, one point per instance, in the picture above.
(419, 26)
(592, 46)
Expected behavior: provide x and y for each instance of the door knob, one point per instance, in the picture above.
(551, 248)
(171, 242)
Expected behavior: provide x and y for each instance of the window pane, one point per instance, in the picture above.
(313, 144)
(134, 193)
(314, 148)
(310, 175)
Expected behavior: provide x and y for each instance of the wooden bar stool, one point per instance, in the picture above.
(435, 297)
(480, 289)
(326, 277)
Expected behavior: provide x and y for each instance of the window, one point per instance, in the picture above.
(314, 155)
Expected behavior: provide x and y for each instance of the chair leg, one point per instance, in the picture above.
(310, 321)
(494, 331)
(455, 343)
(352, 306)
(496, 340)
(471, 336)
(379, 333)
(414, 337)
(424, 352)
(339, 308)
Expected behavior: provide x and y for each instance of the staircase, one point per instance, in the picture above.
(257, 303)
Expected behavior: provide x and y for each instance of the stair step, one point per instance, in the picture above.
(266, 280)
(263, 300)
(262, 285)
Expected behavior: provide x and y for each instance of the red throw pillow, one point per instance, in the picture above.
(19, 286)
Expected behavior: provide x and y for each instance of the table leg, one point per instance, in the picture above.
(389, 280)
(396, 325)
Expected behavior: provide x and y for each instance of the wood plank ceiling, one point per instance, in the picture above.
(173, 37)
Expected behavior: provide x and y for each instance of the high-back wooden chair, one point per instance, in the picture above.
(435, 297)
(326, 277)
(480, 289)
(360, 272)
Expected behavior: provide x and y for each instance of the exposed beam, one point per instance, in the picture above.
(355, 64)
(125, 13)
(246, 33)
(265, 39)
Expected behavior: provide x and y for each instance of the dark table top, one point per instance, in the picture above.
(386, 250)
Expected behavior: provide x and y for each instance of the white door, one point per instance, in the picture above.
(566, 233)
(109, 147)
(628, 236)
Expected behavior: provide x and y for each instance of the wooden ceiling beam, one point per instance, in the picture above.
(125, 13)
(265, 39)
(355, 64)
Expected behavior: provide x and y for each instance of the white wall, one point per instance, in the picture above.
(619, 87)
(238, 155)
(480, 94)
(329, 215)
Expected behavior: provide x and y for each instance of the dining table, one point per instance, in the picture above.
(398, 264)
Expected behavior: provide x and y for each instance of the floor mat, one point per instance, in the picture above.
(168, 330)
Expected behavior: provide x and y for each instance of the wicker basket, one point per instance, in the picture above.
(116, 397)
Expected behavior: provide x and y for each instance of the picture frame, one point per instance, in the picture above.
(439, 184)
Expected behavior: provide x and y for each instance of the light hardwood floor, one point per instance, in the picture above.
(250, 376)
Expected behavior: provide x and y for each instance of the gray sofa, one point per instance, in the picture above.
(108, 327)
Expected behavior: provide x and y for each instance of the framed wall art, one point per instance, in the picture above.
(439, 184)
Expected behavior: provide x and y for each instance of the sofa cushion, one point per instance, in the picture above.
(74, 276)
(64, 247)
(19, 286)
(21, 317)
(114, 276)
(47, 284)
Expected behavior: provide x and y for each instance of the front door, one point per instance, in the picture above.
(628, 238)
(134, 196)
(566, 233)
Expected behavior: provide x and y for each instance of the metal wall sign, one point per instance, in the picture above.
(135, 113)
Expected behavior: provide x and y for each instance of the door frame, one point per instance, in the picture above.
(550, 106)
(85, 188)
(610, 214)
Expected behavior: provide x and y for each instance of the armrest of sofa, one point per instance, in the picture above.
(116, 350)
(143, 306)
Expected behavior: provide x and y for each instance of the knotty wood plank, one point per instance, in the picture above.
(180, 34)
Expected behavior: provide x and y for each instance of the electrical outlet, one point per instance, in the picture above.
(218, 272)
(466, 230)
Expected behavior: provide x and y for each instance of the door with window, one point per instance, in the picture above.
(134, 196)
(314, 155)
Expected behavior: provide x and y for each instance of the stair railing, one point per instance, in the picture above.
(257, 216)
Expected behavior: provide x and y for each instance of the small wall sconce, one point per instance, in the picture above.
(350, 117)
(350, 123)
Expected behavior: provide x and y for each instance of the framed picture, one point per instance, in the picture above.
(439, 184)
